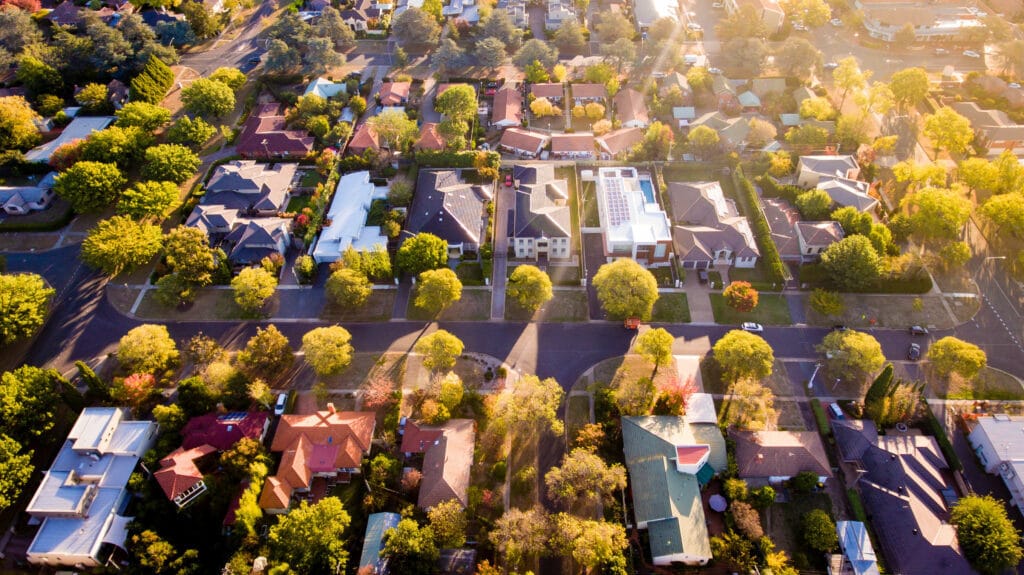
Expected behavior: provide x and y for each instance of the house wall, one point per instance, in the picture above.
(1015, 484)
(746, 263)
(983, 447)
(683, 558)
(557, 248)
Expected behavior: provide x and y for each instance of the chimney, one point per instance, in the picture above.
(330, 407)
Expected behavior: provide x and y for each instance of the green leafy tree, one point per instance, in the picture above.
(584, 478)
(410, 548)
(852, 355)
(1007, 212)
(120, 244)
(570, 36)
(448, 522)
(852, 263)
(529, 286)
(798, 58)
(535, 72)
(740, 296)
(626, 289)
(812, 13)
(90, 186)
(848, 76)
(490, 51)
(611, 26)
(819, 108)
(24, 303)
(531, 406)
(519, 534)
(202, 21)
(656, 143)
(190, 132)
(704, 141)
(17, 123)
(267, 354)
(395, 128)
(457, 102)
(819, 531)
(987, 536)
(152, 84)
(414, 27)
(422, 252)
(656, 346)
(439, 350)
(635, 396)
(170, 162)
(749, 405)
(188, 254)
(734, 550)
(18, 30)
(38, 77)
(15, 470)
(890, 401)
(206, 97)
(807, 136)
(311, 538)
(281, 58)
(743, 355)
(499, 25)
(437, 289)
(949, 131)
(319, 56)
(536, 50)
(592, 544)
(232, 77)
(950, 355)
(328, 349)
(743, 23)
(252, 288)
(747, 519)
(122, 146)
(147, 349)
(827, 302)
(146, 199)
(909, 87)
(937, 213)
(144, 115)
(852, 221)
(348, 288)
(331, 25)
(28, 402)
(814, 204)
(171, 418)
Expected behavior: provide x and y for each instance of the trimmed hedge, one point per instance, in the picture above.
(935, 428)
(820, 418)
(153, 82)
(772, 189)
(774, 269)
(857, 506)
(446, 159)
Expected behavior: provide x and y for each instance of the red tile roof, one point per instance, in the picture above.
(429, 138)
(562, 143)
(589, 91)
(523, 140)
(630, 106)
(223, 430)
(691, 454)
(178, 471)
(508, 105)
(276, 494)
(620, 141)
(418, 439)
(394, 93)
(552, 90)
(364, 139)
(351, 431)
(266, 134)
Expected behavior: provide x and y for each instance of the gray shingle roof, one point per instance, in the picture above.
(780, 453)
(448, 207)
(541, 210)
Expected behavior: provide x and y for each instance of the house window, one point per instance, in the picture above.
(659, 251)
(810, 250)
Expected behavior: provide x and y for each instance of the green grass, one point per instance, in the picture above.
(690, 172)
(470, 273)
(574, 204)
(577, 414)
(988, 384)
(663, 275)
(793, 513)
(715, 279)
(379, 307)
(671, 308)
(770, 310)
(564, 306)
(857, 505)
(310, 178)
(297, 203)
(475, 305)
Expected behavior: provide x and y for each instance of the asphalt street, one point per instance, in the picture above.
(234, 51)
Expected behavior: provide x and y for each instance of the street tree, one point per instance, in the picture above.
(749, 405)
(1011, 56)
(529, 286)
(252, 288)
(448, 522)
(531, 406)
(457, 102)
(122, 146)
(948, 131)
(410, 548)
(490, 51)
(978, 174)
(535, 50)
(120, 244)
(232, 77)
(267, 354)
(144, 115)
(584, 478)
(15, 470)
(328, 349)
(852, 356)
(17, 121)
(206, 97)
(797, 57)
(849, 77)
(437, 289)
(950, 355)
(937, 214)
(330, 25)
(90, 186)
(905, 36)
(919, 173)
(204, 24)
(740, 296)
(852, 264)
(819, 531)
(439, 350)
(147, 349)
(818, 108)
(519, 534)
(148, 198)
(612, 26)
(414, 27)
(704, 141)
(655, 345)
(448, 55)
(592, 544)
(422, 252)
(570, 35)
(743, 355)
(626, 289)
(311, 538)
(852, 130)
(909, 87)
(827, 302)
(190, 132)
(988, 538)
(319, 56)
(746, 55)
(188, 254)
(348, 288)
(814, 205)
(281, 58)
(170, 162)
(811, 13)
(28, 402)
(24, 304)
(1006, 211)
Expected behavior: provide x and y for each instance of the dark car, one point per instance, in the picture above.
(914, 352)
(918, 330)
(839, 327)
(702, 276)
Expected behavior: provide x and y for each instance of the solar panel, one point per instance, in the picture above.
(232, 416)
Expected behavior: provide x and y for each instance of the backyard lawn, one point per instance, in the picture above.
(671, 308)
(591, 219)
(771, 310)
(297, 203)
(786, 528)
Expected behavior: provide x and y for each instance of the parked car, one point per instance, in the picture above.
(918, 330)
(702, 276)
(831, 66)
(491, 89)
(836, 22)
(914, 352)
(800, 27)
(839, 327)
(835, 411)
(941, 51)
(695, 27)
(971, 54)
(508, 180)
(282, 401)
(751, 327)
(717, 5)
(715, 71)
(1013, 85)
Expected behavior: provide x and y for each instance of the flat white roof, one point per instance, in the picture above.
(78, 129)
(626, 215)
(324, 88)
(701, 409)
(1006, 434)
(348, 212)
(76, 539)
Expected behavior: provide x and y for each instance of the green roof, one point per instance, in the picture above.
(661, 435)
(704, 474)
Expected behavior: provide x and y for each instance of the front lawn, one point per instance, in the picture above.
(671, 308)
(475, 305)
(663, 275)
(470, 273)
(564, 305)
(771, 310)
(989, 384)
(379, 307)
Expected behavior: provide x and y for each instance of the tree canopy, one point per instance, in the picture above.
(531, 405)
(267, 354)
(987, 536)
(655, 345)
(348, 288)
(439, 349)
(414, 27)
(529, 286)
(311, 538)
(437, 289)
(90, 186)
(626, 289)
(584, 477)
(422, 252)
(741, 354)
(852, 355)
(410, 548)
(328, 349)
(852, 263)
(147, 349)
(28, 402)
(950, 355)
(24, 304)
(119, 244)
(253, 287)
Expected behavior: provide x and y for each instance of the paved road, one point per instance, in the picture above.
(233, 52)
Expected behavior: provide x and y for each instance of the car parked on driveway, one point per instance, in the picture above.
(914, 352)
(282, 401)
(918, 330)
(702, 276)
(751, 327)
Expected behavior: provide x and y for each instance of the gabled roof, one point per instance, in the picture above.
(829, 165)
(256, 239)
(820, 233)
(447, 464)
(266, 134)
(525, 140)
(429, 138)
(589, 91)
(419, 438)
(448, 207)
(847, 192)
(223, 430)
(178, 472)
(350, 430)
(749, 99)
(630, 106)
(276, 494)
(508, 105)
(541, 208)
(66, 14)
(572, 143)
(620, 141)
(245, 184)
(325, 88)
(700, 203)
(394, 93)
(364, 139)
(79, 129)
(548, 90)
(782, 219)
(780, 453)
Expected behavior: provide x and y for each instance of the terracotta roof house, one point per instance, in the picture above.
(394, 93)
(669, 459)
(554, 92)
(363, 139)
(429, 138)
(450, 208)
(630, 109)
(179, 476)
(708, 228)
(508, 107)
(266, 135)
(447, 458)
(323, 444)
(619, 144)
(907, 489)
(542, 224)
(222, 431)
(585, 93)
(578, 146)
(66, 14)
(377, 524)
(775, 456)
(522, 142)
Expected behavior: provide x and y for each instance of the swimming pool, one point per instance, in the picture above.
(647, 187)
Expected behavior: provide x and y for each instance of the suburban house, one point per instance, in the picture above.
(732, 131)
(586, 93)
(542, 222)
(578, 146)
(749, 102)
(224, 430)
(771, 457)
(20, 200)
(993, 129)
(447, 459)
(65, 14)
(348, 213)
(325, 88)
(931, 21)
(999, 445)
(796, 240)
(812, 169)
(81, 497)
(266, 135)
(646, 12)
(377, 524)
(394, 93)
(450, 208)
(771, 14)
(522, 142)
(619, 144)
(630, 109)
(669, 459)
(846, 192)
(633, 225)
(240, 207)
(559, 11)
(363, 13)
(179, 475)
(683, 115)
(78, 129)
(857, 555)
(553, 91)
(725, 94)
(708, 228)
(323, 446)
(363, 139)
(516, 10)
(508, 107)
(429, 138)
(907, 489)
(677, 80)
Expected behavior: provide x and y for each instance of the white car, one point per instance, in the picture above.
(714, 70)
(941, 51)
(971, 54)
(694, 27)
(831, 66)
(282, 401)
(717, 5)
(800, 27)
(751, 327)
(1013, 85)
(836, 22)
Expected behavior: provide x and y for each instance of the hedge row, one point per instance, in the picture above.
(774, 269)
(153, 82)
(772, 189)
(446, 159)
(939, 432)
(820, 418)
